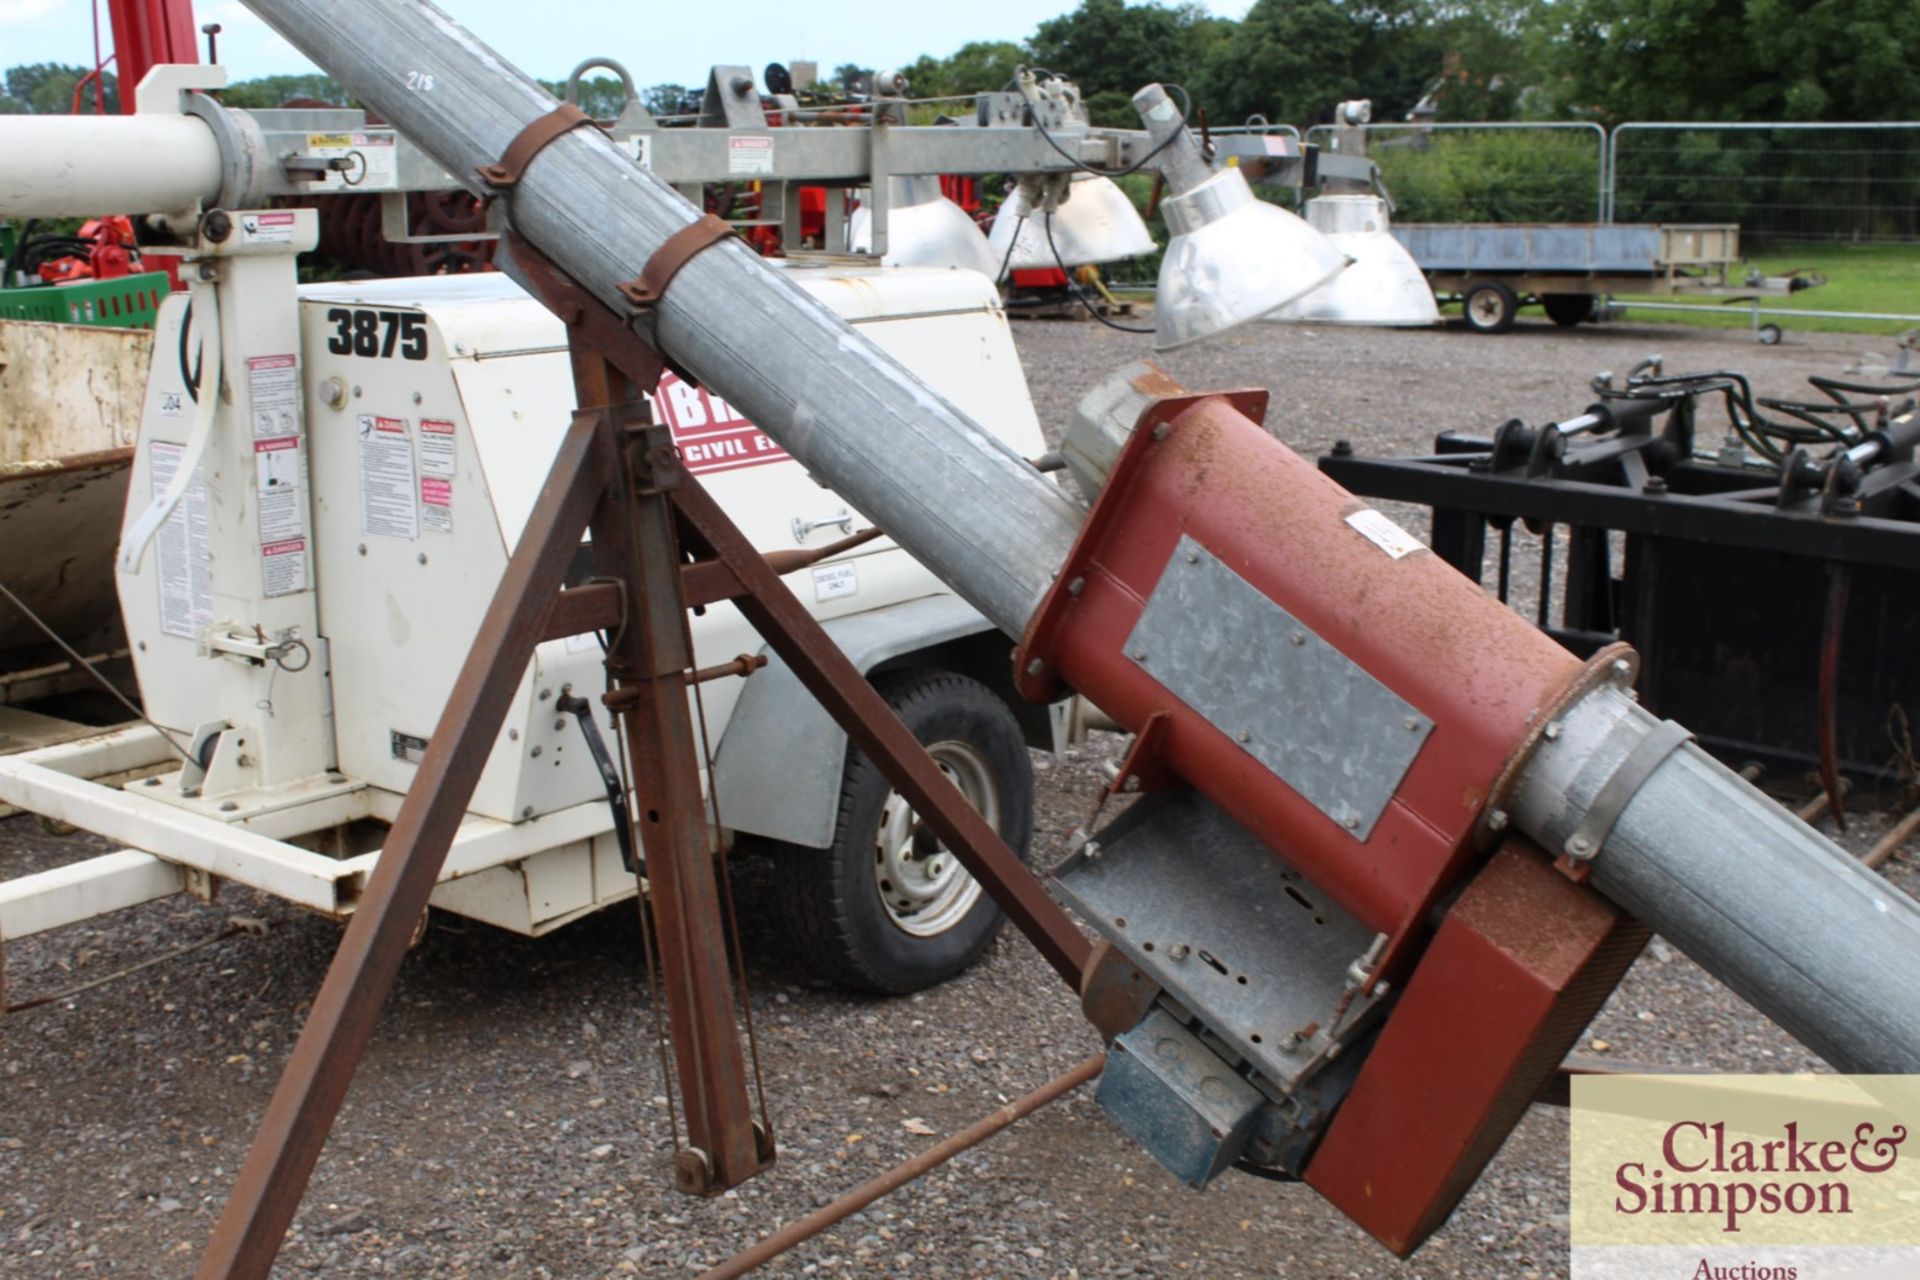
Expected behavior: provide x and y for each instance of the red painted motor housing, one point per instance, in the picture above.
(1202, 467)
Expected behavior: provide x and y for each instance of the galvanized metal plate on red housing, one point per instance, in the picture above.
(1428, 642)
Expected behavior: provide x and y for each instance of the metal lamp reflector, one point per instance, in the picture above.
(1384, 286)
(1233, 258)
(924, 229)
(1095, 223)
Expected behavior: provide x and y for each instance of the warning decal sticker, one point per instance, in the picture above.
(437, 457)
(273, 392)
(387, 505)
(181, 568)
(436, 502)
(278, 474)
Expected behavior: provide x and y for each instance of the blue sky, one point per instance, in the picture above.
(660, 43)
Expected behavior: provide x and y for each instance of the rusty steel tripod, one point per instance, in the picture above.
(661, 546)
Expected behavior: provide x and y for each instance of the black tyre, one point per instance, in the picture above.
(1488, 306)
(887, 907)
(1568, 309)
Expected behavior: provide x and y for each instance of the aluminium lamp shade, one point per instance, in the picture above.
(1233, 258)
(1095, 223)
(924, 229)
(1384, 287)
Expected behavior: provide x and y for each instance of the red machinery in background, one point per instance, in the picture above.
(147, 33)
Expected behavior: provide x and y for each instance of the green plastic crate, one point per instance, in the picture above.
(130, 302)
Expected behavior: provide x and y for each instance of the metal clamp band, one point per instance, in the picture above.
(679, 248)
(1620, 788)
(506, 172)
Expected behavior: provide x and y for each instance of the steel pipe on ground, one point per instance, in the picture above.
(965, 504)
(1779, 913)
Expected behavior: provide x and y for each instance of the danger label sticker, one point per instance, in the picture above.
(387, 505)
(283, 567)
(750, 155)
(710, 433)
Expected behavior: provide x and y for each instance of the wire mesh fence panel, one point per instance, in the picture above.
(1521, 172)
(1782, 183)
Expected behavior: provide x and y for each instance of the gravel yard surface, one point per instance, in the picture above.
(510, 1118)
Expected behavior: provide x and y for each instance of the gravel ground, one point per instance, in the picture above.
(510, 1118)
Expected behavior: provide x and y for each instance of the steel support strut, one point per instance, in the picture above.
(314, 1084)
(625, 483)
(634, 542)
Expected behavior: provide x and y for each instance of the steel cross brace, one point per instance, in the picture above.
(622, 479)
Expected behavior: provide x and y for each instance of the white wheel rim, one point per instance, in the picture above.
(1487, 306)
(922, 885)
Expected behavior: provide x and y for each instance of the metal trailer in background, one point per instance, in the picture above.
(1569, 269)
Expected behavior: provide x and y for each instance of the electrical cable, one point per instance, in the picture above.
(74, 655)
(1013, 243)
(19, 250)
(1076, 291)
(189, 377)
(1186, 112)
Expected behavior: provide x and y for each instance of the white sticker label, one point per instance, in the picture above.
(437, 456)
(387, 505)
(172, 404)
(835, 581)
(273, 392)
(283, 567)
(371, 161)
(1384, 533)
(753, 154)
(267, 228)
(640, 147)
(180, 564)
(279, 485)
(436, 502)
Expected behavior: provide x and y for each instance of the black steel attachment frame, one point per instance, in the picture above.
(1758, 595)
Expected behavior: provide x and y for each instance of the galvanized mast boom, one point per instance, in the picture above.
(959, 499)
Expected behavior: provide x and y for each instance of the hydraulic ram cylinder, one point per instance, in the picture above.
(961, 501)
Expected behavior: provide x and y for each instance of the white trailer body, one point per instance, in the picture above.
(298, 620)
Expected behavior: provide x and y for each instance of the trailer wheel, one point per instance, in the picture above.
(887, 907)
(1488, 306)
(1769, 335)
(1568, 309)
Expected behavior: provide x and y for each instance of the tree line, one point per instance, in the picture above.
(1291, 61)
